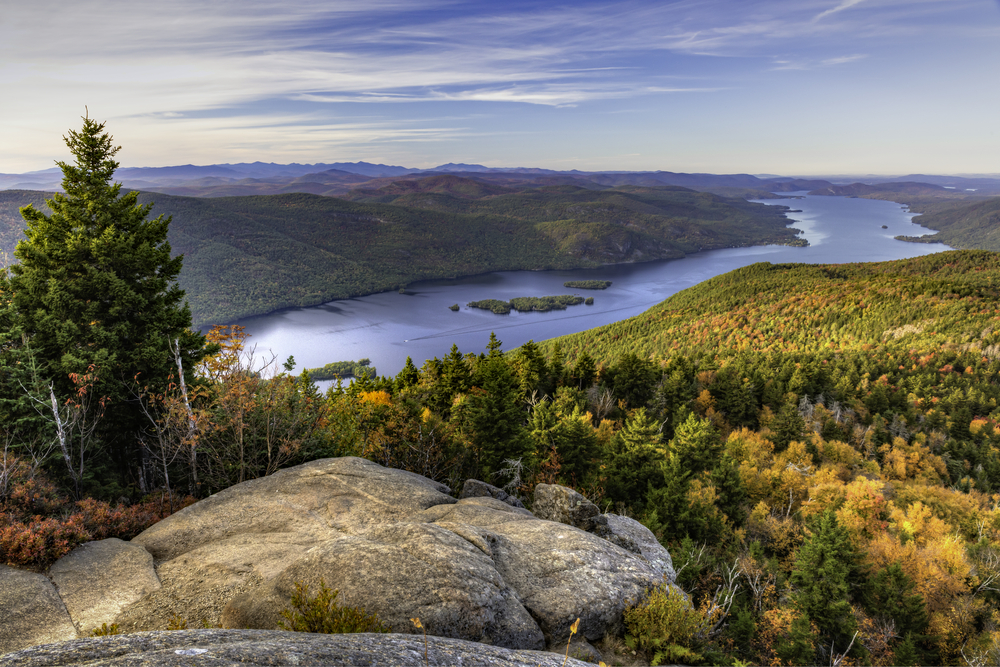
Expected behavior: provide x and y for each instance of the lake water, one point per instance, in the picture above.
(390, 326)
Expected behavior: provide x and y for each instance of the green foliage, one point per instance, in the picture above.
(890, 594)
(95, 292)
(589, 301)
(587, 284)
(251, 255)
(822, 580)
(960, 224)
(907, 654)
(667, 627)
(343, 369)
(320, 613)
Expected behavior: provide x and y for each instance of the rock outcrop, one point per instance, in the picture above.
(257, 648)
(478, 568)
(473, 488)
(97, 580)
(31, 609)
(562, 504)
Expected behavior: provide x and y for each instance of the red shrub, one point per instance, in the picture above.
(40, 542)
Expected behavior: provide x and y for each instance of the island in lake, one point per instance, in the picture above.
(588, 284)
(343, 369)
(524, 304)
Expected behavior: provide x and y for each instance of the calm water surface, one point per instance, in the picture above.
(389, 327)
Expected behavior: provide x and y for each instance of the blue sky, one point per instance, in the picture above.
(796, 87)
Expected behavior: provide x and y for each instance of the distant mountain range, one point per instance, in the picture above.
(339, 178)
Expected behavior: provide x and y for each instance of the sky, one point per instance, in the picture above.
(790, 87)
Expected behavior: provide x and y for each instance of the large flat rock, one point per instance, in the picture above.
(258, 648)
(32, 612)
(393, 543)
(97, 580)
(313, 498)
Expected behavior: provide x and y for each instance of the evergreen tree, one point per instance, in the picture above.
(532, 369)
(891, 594)
(584, 372)
(906, 653)
(697, 445)
(408, 377)
(96, 290)
(822, 578)
(497, 419)
(730, 490)
(632, 380)
(636, 461)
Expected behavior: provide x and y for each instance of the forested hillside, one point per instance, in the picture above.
(251, 255)
(840, 420)
(967, 225)
(818, 446)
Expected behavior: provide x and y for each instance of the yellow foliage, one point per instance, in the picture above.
(905, 461)
(604, 431)
(375, 397)
(774, 626)
(832, 473)
(978, 425)
(939, 567)
(776, 531)
(917, 523)
(827, 495)
(834, 451)
(753, 453)
(749, 446)
(955, 627)
(864, 510)
(704, 403)
(959, 510)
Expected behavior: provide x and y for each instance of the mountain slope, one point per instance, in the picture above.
(246, 256)
(927, 303)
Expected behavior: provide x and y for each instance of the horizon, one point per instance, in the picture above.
(807, 89)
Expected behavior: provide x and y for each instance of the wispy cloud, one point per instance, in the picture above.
(846, 4)
(185, 66)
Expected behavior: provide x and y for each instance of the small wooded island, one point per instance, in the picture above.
(587, 284)
(343, 369)
(525, 304)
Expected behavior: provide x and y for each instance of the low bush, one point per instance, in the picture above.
(667, 627)
(321, 613)
(38, 526)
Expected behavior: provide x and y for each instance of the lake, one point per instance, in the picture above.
(388, 327)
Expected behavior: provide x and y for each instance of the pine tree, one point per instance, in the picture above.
(96, 290)
(822, 578)
(408, 377)
(584, 372)
(636, 461)
(497, 419)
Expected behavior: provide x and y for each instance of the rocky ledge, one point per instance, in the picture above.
(224, 648)
(480, 568)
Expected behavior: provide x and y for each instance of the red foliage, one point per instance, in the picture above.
(29, 538)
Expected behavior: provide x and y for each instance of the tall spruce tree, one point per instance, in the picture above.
(95, 291)
(822, 579)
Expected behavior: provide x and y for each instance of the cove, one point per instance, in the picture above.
(388, 327)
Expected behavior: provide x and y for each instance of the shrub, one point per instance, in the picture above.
(106, 630)
(39, 542)
(667, 626)
(322, 614)
(38, 526)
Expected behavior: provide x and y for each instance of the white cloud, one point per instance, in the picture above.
(846, 4)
